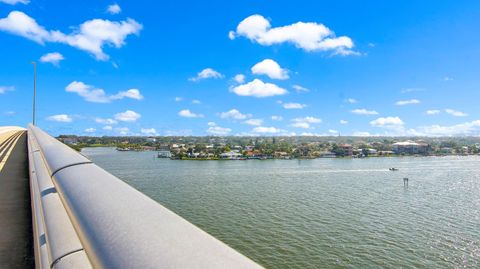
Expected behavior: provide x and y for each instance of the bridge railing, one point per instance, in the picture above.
(85, 217)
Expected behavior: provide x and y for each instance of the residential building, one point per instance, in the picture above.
(410, 147)
(230, 155)
(347, 149)
(164, 154)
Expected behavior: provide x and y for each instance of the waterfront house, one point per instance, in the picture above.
(385, 153)
(410, 147)
(249, 148)
(209, 146)
(253, 153)
(347, 149)
(281, 155)
(194, 154)
(230, 155)
(164, 154)
(327, 154)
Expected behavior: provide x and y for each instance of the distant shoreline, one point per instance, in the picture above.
(286, 159)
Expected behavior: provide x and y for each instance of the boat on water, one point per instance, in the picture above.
(393, 169)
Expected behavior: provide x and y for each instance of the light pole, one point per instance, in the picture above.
(34, 89)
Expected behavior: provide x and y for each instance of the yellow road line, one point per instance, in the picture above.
(7, 143)
(5, 153)
(11, 146)
(4, 136)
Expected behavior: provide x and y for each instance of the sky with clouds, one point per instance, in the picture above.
(242, 67)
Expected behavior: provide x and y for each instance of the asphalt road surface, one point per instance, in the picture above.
(16, 235)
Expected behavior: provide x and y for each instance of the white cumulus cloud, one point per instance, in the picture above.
(271, 69)
(90, 130)
(277, 118)
(4, 89)
(467, 128)
(299, 88)
(432, 112)
(53, 58)
(105, 121)
(309, 36)
(148, 131)
(114, 9)
(239, 78)
(305, 123)
(217, 130)
(14, 2)
(254, 122)
(60, 118)
(231, 35)
(343, 122)
(258, 88)
(351, 101)
(407, 102)
(267, 130)
(127, 116)
(294, 106)
(186, 113)
(206, 73)
(387, 122)
(308, 119)
(455, 113)
(96, 95)
(122, 130)
(234, 114)
(132, 94)
(363, 111)
(213, 129)
(90, 36)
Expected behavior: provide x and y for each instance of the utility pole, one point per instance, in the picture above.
(34, 90)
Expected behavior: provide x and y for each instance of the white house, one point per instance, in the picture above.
(230, 155)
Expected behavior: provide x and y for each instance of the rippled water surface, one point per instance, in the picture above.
(322, 213)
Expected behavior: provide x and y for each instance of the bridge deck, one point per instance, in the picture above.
(16, 244)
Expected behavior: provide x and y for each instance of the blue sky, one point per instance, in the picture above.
(242, 68)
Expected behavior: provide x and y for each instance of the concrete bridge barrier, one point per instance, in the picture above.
(85, 217)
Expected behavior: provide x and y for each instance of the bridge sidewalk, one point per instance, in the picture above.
(16, 238)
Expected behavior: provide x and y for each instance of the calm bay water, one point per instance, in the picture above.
(322, 213)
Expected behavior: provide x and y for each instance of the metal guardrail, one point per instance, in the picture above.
(84, 217)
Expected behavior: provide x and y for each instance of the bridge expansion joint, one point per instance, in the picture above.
(65, 255)
(69, 165)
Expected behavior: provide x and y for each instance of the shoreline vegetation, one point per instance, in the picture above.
(262, 148)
